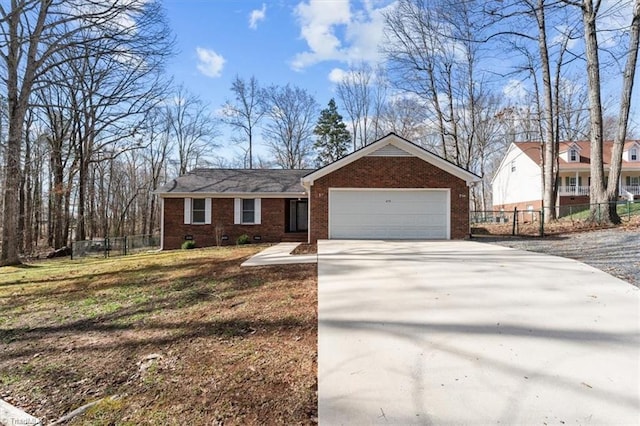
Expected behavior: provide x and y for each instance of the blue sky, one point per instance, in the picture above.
(303, 42)
(277, 42)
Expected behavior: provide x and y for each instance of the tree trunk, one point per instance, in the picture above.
(26, 205)
(623, 117)
(10, 230)
(57, 196)
(597, 192)
(81, 232)
(548, 199)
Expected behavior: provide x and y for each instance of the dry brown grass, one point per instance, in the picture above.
(228, 345)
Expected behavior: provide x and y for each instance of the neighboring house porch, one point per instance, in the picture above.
(518, 181)
(578, 184)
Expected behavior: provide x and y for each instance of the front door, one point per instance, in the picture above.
(298, 215)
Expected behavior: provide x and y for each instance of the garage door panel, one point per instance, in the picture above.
(391, 214)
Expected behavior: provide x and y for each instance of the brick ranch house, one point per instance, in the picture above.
(390, 189)
(518, 180)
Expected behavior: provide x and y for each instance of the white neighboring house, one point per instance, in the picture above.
(517, 182)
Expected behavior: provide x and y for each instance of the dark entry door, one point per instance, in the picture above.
(298, 215)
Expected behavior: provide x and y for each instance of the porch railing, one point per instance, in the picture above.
(573, 190)
(584, 190)
(632, 189)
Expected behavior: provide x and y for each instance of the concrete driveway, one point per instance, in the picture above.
(471, 333)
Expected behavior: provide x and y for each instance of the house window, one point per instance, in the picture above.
(198, 211)
(571, 181)
(633, 180)
(248, 211)
(633, 154)
(573, 155)
(513, 165)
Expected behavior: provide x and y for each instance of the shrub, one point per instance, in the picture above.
(187, 245)
(243, 239)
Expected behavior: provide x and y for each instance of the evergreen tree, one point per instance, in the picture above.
(333, 136)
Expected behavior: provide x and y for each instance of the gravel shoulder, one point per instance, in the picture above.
(615, 251)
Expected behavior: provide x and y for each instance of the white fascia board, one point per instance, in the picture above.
(576, 167)
(232, 195)
(400, 143)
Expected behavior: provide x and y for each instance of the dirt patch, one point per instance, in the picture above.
(177, 338)
(305, 249)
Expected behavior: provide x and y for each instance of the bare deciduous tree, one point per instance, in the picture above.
(291, 113)
(245, 112)
(40, 36)
(193, 128)
(361, 100)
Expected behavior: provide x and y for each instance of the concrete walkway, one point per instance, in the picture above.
(10, 415)
(472, 333)
(280, 254)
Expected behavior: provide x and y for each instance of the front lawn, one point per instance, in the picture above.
(183, 337)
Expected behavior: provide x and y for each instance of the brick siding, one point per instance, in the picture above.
(565, 204)
(271, 229)
(389, 172)
(523, 205)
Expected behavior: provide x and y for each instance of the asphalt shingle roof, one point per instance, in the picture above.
(232, 181)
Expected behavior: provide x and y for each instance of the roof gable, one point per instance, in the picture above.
(635, 144)
(392, 145)
(527, 152)
(567, 146)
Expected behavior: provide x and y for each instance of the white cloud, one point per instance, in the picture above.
(337, 75)
(256, 16)
(210, 63)
(568, 34)
(515, 90)
(343, 32)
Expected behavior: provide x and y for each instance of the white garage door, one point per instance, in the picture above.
(389, 214)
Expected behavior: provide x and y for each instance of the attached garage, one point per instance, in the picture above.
(376, 213)
(390, 189)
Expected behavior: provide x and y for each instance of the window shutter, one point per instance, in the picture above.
(579, 180)
(237, 211)
(187, 211)
(628, 180)
(257, 214)
(207, 211)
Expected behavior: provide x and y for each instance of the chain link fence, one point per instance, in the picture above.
(503, 222)
(531, 222)
(116, 246)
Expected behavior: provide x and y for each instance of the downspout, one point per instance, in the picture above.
(308, 191)
(161, 223)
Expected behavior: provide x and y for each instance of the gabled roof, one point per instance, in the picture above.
(631, 144)
(567, 146)
(229, 182)
(398, 143)
(532, 149)
(524, 148)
